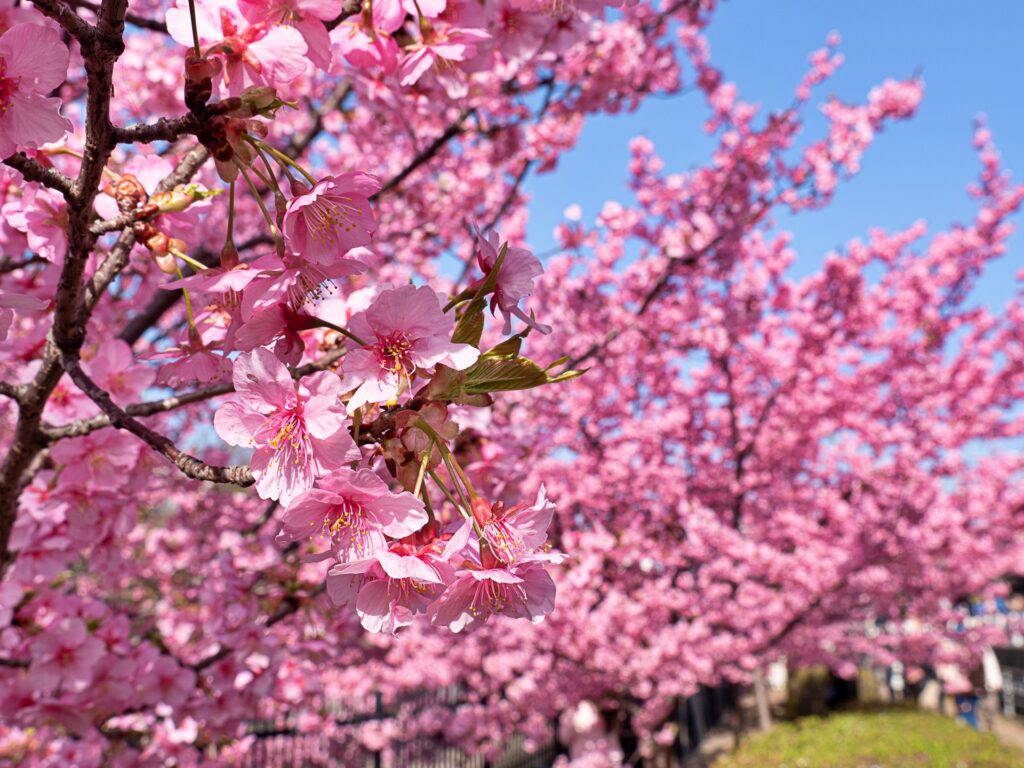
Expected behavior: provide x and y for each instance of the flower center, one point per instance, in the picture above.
(8, 87)
(490, 597)
(392, 352)
(346, 522)
(288, 439)
(505, 540)
(310, 284)
(325, 217)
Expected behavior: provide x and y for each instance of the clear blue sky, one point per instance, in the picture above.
(971, 55)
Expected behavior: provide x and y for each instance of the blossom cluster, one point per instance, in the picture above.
(269, 430)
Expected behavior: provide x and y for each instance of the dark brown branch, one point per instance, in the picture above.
(100, 45)
(164, 129)
(427, 154)
(132, 18)
(33, 170)
(8, 264)
(188, 465)
(14, 391)
(167, 404)
(65, 15)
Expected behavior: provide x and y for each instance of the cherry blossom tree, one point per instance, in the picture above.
(265, 447)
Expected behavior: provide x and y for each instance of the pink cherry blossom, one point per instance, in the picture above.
(439, 49)
(14, 301)
(41, 214)
(768, 456)
(524, 591)
(404, 330)
(33, 62)
(517, 531)
(261, 53)
(515, 279)
(98, 461)
(191, 362)
(113, 368)
(298, 430)
(391, 587)
(350, 513)
(65, 654)
(363, 48)
(327, 221)
(293, 279)
(306, 16)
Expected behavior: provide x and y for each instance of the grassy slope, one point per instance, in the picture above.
(887, 739)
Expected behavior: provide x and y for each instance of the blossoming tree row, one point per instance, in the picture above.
(272, 437)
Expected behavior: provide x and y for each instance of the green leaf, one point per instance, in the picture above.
(567, 376)
(490, 374)
(449, 385)
(470, 326)
(509, 347)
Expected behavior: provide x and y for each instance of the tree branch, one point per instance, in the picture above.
(189, 465)
(85, 426)
(33, 170)
(427, 154)
(132, 18)
(164, 129)
(14, 391)
(65, 15)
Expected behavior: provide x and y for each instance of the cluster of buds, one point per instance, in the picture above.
(224, 126)
(133, 200)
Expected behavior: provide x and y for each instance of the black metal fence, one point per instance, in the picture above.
(410, 734)
(1011, 665)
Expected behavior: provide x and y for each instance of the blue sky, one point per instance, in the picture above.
(971, 56)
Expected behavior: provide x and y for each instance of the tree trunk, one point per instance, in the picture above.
(764, 713)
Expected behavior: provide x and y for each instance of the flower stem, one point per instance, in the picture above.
(423, 467)
(281, 157)
(348, 334)
(448, 495)
(430, 510)
(198, 266)
(449, 458)
(231, 216)
(274, 231)
(195, 27)
(188, 301)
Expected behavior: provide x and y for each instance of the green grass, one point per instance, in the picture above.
(885, 739)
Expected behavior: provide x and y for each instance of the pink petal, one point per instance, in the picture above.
(33, 120)
(37, 55)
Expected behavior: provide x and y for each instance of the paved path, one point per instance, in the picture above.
(1009, 732)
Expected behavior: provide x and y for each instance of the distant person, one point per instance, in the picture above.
(968, 699)
(993, 686)
(584, 731)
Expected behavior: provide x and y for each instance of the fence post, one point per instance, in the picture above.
(682, 728)
(378, 711)
(764, 712)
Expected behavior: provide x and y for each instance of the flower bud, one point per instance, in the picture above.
(180, 198)
(166, 263)
(127, 192)
(199, 74)
(258, 100)
(156, 242)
